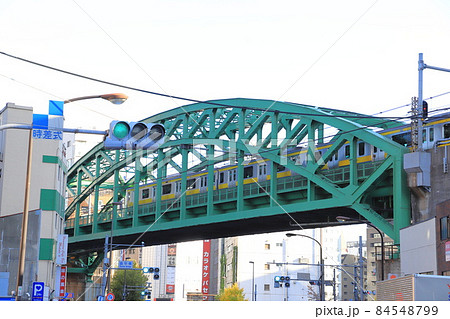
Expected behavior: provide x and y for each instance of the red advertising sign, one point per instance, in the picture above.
(206, 268)
(170, 289)
(62, 282)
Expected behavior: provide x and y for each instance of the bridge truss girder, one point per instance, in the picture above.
(202, 135)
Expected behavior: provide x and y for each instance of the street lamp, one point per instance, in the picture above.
(253, 280)
(115, 98)
(345, 218)
(322, 268)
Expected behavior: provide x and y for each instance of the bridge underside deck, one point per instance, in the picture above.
(248, 226)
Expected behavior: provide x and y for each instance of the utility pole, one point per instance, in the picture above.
(423, 66)
(361, 271)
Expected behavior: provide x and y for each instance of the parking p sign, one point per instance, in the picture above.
(38, 291)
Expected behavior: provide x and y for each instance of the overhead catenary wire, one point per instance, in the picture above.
(192, 100)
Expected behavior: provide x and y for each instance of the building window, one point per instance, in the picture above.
(444, 228)
(266, 287)
(267, 246)
(266, 266)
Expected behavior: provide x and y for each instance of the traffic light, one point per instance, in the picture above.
(424, 109)
(287, 281)
(156, 275)
(147, 293)
(134, 135)
(278, 281)
(152, 270)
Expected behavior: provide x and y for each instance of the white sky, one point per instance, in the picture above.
(352, 55)
(358, 55)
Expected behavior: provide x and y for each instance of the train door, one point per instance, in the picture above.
(129, 198)
(153, 192)
(178, 188)
(377, 153)
(262, 172)
(232, 177)
(203, 183)
(222, 179)
(428, 137)
(334, 160)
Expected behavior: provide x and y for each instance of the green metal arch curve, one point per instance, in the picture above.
(245, 127)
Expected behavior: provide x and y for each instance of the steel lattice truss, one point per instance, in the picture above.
(202, 137)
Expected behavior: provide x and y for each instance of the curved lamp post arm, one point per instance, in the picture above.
(345, 218)
(115, 98)
(322, 268)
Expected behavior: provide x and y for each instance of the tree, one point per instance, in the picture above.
(132, 281)
(232, 294)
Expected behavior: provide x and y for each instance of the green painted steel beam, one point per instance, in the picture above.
(240, 128)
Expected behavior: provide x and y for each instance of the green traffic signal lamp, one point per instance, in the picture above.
(121, 129)
(134, 135)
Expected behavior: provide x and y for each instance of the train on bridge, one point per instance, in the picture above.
(436, 132)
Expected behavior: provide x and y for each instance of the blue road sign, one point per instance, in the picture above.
(38, 291)
(126, 264)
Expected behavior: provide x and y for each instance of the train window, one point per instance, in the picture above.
(361, 149)
(336, 156)
(190, 183)
(248, 172)
(167, 189)
(153, 191)
(402, 139)
(424, 135)
(177, 187)
(347, 151)
(221, 177)
(280, 168)
(431, 134)
(446, 130)
(375, 149)
(145, 193)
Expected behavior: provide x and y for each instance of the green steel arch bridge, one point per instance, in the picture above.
(202, 137)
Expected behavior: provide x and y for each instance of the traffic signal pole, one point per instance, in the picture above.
(423, 66)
